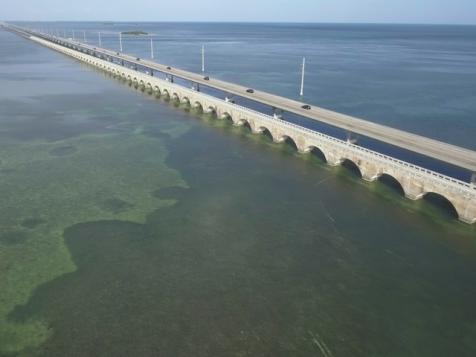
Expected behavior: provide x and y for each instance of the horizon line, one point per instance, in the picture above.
(254, 22)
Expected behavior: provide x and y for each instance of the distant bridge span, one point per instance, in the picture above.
(415, 181)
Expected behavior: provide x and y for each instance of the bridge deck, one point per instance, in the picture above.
(452, 154)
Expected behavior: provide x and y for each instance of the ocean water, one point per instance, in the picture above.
(130, 225)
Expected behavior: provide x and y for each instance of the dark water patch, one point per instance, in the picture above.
(13, 237)
(63, 150)
(116, 205)
(255, 259)
(6, 171)
(170, 193)
(32, 223)
(156, 132)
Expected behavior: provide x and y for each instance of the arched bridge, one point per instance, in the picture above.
(415, 181)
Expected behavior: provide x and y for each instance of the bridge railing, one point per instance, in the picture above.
(415, 170)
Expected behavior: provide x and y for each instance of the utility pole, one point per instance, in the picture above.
(203, 58)
(151, 48)
(302, 76)
(120, 41)
(99, 37)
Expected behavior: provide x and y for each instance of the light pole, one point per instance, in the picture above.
(302, 76)
(84, 36)
(151, 48)
(73, 35)
(120, 41)
(99, 36)
(203, 58)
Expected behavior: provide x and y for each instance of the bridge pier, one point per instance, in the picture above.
(412, 190)
(333, 159)
(466, 210)
(369, 172)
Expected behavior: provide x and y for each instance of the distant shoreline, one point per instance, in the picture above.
(249, 22)
(135, 33)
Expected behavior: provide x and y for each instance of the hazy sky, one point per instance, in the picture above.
(394, 11)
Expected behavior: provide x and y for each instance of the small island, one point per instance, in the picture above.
(135, 33)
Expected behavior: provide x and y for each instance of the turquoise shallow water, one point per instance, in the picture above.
(132, 226)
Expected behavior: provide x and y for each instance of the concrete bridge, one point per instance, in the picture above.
(416, 182)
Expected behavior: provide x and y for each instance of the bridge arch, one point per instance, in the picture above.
(226, 116)
(198, 106)
(185, 100)
(175, 97)
(265, 132)
(166, 93)
(442, 203)
(317, 152)
(211, 110)
(246, 124)
(351, 166)
(287, 140)
(392, 182)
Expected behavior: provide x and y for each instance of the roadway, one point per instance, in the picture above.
(452, 154)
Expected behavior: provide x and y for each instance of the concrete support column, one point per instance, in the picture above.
(412, 190)
(333, 159)
(369, 172)
(302, 147)
(465, 207)
(254, 128)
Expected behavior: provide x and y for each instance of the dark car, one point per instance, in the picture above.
(306, 106)
(137, 59)
(117, 53)
(250, 90)
(206, 78)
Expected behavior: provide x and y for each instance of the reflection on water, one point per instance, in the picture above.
(130, 226)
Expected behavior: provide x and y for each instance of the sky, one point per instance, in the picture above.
(347, 11)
